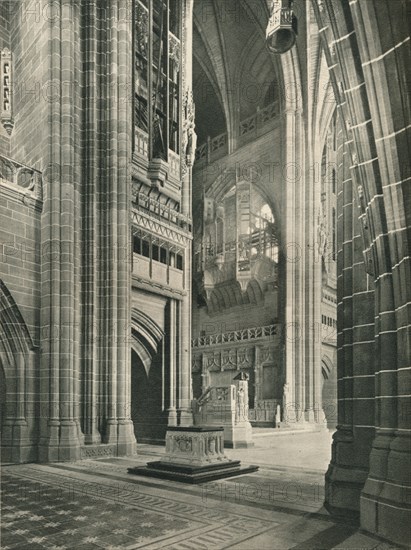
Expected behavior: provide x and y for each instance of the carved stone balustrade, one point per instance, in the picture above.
(249, 128)
(19, 181)
(252, 333)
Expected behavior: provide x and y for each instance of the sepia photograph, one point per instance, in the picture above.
(205, 274)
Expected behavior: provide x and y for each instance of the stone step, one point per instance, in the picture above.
(174, 473)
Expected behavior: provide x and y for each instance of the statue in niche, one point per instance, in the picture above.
(189, 137)
(158, 139)
(323, 234)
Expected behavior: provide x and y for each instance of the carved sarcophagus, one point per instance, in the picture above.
(194, 445)
(194, 454)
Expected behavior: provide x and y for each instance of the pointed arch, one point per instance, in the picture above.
(146, 329)
(326, 366)
(146, 337)
(16, 357)
(14, 334)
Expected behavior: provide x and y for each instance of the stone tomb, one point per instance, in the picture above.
(194, 454)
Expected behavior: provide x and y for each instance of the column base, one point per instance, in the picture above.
(342, 492)
(172, 417)
(19, 454)
(16, 445)
(120, 434)
(385, 499)
(93, 438)
(61, 444)
(126, 442)
(110, 437)
(69, 445)
(343, 481)
(186, 417)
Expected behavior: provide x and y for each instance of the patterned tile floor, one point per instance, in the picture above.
(47, 507)
(95, 504)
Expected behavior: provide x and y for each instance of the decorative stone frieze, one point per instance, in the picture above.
(20, 179)
(195, 447)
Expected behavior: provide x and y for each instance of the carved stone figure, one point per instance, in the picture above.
(211, 446)
(189, 137)
(323, 234)
(242, 412)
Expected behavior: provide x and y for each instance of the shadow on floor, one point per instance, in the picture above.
(327, 539)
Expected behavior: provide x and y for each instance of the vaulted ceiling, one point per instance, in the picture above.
(233, 73)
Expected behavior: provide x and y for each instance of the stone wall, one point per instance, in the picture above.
(370, 460)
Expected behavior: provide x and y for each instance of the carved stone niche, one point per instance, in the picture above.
(6, 83)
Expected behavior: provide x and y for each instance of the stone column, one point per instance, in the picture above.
(115, 203)
(91, 339)
(355, 366)
(385, 500)
(293, 227)
(356, 354)
(186, 94)
(58, 375)
(311, 182)
(184, 359)
(172, 411)
(257, 380)
(205, 375)
(188, 154)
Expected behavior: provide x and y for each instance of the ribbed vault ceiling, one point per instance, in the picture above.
(232, 69)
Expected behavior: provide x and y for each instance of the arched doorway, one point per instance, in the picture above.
(147, 400)
(17, 417)
(147, 379)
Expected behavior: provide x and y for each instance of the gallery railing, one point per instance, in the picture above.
(241, 335)
(159, 210)
(255, 125)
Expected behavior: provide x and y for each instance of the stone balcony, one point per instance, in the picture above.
(247, 334)
(20, 182)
